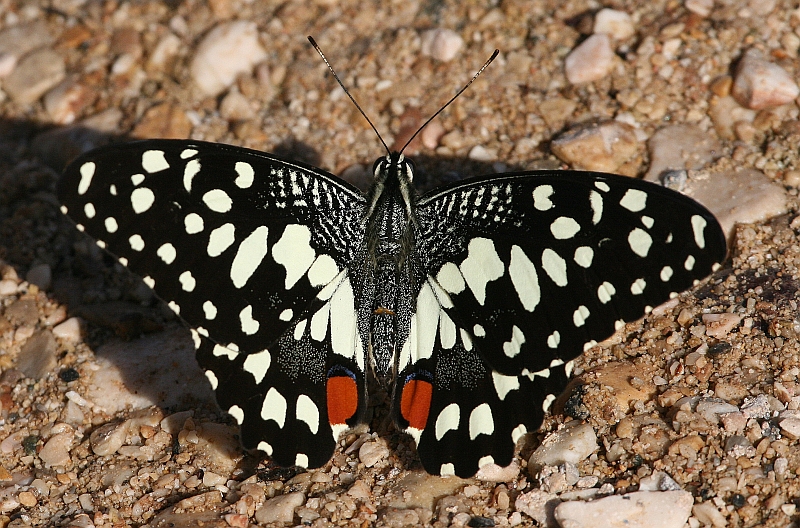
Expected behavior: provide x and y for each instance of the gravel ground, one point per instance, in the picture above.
(691, 415)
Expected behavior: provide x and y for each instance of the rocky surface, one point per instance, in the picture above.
(104, 418)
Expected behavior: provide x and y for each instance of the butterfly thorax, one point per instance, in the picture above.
(390, 234)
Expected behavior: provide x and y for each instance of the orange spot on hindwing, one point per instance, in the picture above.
(415, 403)
(342, 399)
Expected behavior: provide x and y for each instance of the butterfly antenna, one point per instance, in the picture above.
(431, 118)
(316, 47)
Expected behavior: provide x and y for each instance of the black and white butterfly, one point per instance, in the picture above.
(474, 297)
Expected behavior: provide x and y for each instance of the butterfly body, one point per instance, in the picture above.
(473, 298)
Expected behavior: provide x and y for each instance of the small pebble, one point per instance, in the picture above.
(538, 505)
(719, 326)
(591, 60)
(760, 84)
(790, 427)
(709, 515)
(280, 508)
(69, 330)
(55, 451)
(745, 196)
(8, 287)
(27, 499)
(441, 44)
(481, 153)
(573, 443)
(680, 147)
(35, 74)
(37, 357)
(370, 453)
(495, 473)
(616, 24)
(604, 147)
(758, 407)
(641, 509)
(700, 7)
(108, 438)
(67, 101)
(228, 50)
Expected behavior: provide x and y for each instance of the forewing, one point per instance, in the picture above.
(529, 270)
(245, 248)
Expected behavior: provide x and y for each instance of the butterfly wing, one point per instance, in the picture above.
(520, 273)
(253, 253)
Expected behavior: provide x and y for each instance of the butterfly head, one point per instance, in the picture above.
(393, 166)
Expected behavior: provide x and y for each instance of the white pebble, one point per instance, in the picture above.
(281, 508)
(720, 325)
(481, 153)
(709, 515)
(441, 44)
(593, 59)
(69, 330)
(760, 84)
(700, 7)
(8, 287)
(617, 24)
(56, 450)
(573, 443)
(640, 509)
(228, 50)
(538, 505)
(600, 147)
(107, 439)
(680, 147)
(370, 453)
(495, 473)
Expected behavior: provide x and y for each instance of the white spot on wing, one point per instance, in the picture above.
(154, 161)
(447, 470)
(605, 291)
(220, 239)
(188, 153)
(319, 323)
(634, 200)
(512, 348)
(481, 421)
(447, 330)
(189, 172)
(193, 223)
(596, 203)
(248, 257)
(553, 340)
(450, 278)
(137, 179)
(294, 252)
(167, 253)
(698, 227)
(212, 379)
(584, 256)
(548, 401)
(666, 273)
(541, 197)
(249, 325)
(187, 281)
(524, 278)
(637, 288)
(265, 447)
(147, 279)
(87, 172)
(111, 224)
(88, 210)
(564, 228)
(580, 315)
(603, 186)
(237, 413)
(136, 242)
(218, 201)
(478, 331)
(209, 310)
(246, 173)
(344, 328)
(689, 263)
(427, 318)
(307, 411)
(274, 407)
(481, 266)
(286, 315)
(504, 384)
(518, 432)
(322, 271)
(640, 241)
(555, 267)
(447, 420)
(142, 199)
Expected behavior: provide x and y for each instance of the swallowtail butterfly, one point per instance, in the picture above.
(474, 297)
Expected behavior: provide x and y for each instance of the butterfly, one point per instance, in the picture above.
(473, 298)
